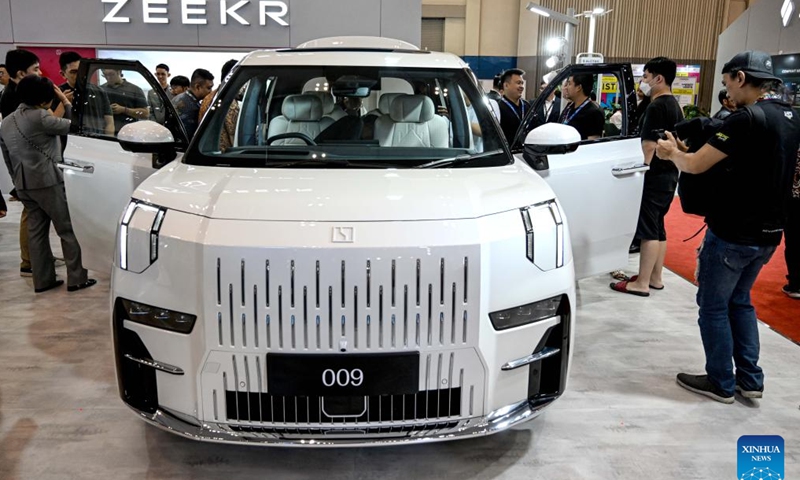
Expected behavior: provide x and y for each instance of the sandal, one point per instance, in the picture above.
(633, 279)
(81, 286)
(622, 287)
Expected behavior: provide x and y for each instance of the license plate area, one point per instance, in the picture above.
(343, 375)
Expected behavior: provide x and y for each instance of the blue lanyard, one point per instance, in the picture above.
(569, 119)
(513, 109)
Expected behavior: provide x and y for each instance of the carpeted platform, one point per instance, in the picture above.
(772, 306)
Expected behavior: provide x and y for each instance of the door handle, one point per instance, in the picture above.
(629, 170)
(76, 168)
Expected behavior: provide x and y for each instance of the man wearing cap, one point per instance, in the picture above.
(752, 159)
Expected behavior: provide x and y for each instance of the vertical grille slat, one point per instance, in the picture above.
(280, 316)
(230, 311)
(243, 282)
(390, 309)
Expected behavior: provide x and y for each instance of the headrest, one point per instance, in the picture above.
(327, 100)
(385, 102)
(302, 108)
(412, 109)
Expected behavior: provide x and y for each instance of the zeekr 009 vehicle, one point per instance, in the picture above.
(348, 252)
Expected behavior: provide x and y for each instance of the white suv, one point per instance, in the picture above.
(348, 252)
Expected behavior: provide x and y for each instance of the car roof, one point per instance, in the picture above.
(356, 52)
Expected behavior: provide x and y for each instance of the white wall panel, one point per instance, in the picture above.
(325, 18)
(5, 22)
(66, 22)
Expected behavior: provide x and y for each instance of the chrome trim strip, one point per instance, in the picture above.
(497, 421)
(164, 367)
(547, 352)
(622, 171)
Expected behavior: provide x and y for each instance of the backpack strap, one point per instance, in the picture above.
(757, 116)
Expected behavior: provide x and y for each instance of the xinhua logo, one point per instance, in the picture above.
(760, 457)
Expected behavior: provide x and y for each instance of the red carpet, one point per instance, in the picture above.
(772, 306)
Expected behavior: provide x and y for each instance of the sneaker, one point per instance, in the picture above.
(750, 393)
(25, 272)
(791, 292)
(702, 385)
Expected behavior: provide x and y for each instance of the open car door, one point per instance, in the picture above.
(99, 175)
(600, 184)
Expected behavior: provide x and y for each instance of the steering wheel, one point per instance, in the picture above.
(301, 136)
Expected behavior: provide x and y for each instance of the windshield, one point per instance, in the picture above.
(355, 117)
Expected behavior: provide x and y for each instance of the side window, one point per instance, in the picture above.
(114, 97)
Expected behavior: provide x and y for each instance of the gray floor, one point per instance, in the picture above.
(622, 417)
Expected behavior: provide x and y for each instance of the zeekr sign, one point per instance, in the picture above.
(195, 12)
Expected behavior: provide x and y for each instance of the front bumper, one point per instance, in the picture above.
(497, 421)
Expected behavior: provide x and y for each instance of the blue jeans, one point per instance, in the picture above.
(728, 326)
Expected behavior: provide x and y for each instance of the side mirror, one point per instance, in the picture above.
(146, 136)
(549, 139)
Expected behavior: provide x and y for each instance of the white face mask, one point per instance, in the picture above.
(645, 88)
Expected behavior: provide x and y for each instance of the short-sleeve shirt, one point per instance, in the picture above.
(752, 205)
(663, 113)
(587, 118)
(96, 108)
(128, 95)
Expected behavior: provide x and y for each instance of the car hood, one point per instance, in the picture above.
(343, 194)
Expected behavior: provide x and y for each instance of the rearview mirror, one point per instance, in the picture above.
(549, 139)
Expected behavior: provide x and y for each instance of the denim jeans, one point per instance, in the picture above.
(725, 274)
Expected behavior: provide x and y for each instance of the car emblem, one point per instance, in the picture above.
(344, 235)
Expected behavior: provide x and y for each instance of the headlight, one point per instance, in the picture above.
(544, 235)
(526, 314)
(138, 236)
(156, 317)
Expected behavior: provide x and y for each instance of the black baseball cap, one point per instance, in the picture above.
(754, 63)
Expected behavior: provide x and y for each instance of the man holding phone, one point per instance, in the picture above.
(97, 115)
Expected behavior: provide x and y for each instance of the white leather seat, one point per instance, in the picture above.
(384, 104)
(329, 108)
(412, 122)
(301, 114)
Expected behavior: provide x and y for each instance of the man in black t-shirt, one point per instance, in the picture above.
(582, 113)
(660, 181)
(753, 156)
(513, 107)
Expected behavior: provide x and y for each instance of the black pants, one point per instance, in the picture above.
(792, 234)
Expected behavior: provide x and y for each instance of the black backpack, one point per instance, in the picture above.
(699, 193)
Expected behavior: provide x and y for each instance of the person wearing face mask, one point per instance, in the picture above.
(660, 181)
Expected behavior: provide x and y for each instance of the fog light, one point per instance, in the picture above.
(157, 317)
(526, 314)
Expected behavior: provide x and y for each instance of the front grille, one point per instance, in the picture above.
(264, 407)
(358, 300)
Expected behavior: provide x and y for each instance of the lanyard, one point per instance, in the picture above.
(513, 109)
(569, 119)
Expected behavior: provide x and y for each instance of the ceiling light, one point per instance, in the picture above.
(554, 44)
(598, 11)
(551, 62)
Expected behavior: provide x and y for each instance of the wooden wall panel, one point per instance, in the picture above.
(645, 28)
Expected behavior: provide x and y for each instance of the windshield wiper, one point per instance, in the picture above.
(311, 161)
(458, 160)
